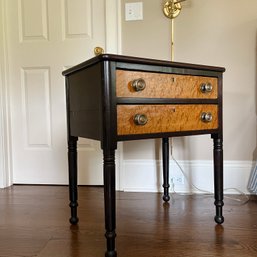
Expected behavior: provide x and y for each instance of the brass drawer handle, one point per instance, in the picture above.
(206, 117)
(140, 119)
(206, 87)
(138, 84)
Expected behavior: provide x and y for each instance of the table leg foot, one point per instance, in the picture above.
(219, 217)
(166, 198)
(111, 254)
(74, 218)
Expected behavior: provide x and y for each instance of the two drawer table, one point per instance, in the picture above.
(114, 98)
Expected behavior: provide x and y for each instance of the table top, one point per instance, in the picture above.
(139, 60)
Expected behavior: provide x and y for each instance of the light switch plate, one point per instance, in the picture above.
(134, 11)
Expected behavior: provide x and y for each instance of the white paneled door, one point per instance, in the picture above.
(44, 37)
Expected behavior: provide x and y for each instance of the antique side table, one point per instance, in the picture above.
(113, 98)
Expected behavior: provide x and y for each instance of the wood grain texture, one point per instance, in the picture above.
(34, 222)
(165, 118)
(159, 85)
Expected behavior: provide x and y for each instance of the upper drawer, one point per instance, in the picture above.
(159, 85)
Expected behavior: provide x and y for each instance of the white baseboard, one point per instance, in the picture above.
(146, 176)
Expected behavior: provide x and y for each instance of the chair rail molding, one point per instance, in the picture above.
(5, 142)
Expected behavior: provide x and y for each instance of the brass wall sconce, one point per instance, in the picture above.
(171, 10)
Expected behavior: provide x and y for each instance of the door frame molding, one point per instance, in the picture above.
(5, 129)
(113, 26)
(113, 45)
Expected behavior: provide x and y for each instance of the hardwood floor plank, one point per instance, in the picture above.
(34, 222)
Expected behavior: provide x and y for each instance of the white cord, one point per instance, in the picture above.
(247, 198)
(187, 179)
(209, 192)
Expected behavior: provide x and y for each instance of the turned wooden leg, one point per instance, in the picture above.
(218, 177)
(72, 159)
(110, 202)
(165, 162)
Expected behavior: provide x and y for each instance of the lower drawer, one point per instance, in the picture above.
(147, 119)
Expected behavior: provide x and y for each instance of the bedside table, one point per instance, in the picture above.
(114, 98)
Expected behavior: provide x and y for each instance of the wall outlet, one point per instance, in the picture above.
(178, 180)
(134, 11)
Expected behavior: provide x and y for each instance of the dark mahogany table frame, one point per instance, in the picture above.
(91, 113)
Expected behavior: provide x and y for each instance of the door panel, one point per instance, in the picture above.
(44, 38)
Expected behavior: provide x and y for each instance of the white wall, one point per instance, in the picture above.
(209, 32)
(222, 33)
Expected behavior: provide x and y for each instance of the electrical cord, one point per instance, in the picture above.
(247, 198)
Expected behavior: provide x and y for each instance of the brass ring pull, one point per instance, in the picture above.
(206, 117)
(138, 84)
(206, 87)
(140, 119)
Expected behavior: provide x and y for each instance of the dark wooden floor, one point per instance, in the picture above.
(34, 222)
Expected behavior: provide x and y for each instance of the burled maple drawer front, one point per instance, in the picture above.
(165, 118)
(158, 85)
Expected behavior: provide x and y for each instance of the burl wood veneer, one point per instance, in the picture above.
(165, 118)
(159, 85)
